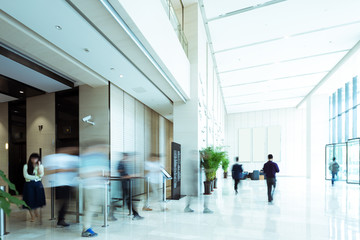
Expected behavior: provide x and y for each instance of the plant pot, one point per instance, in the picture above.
(207, 187)
(212, 185)
(215, 183)
(225, 174)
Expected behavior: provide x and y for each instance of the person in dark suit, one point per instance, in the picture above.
(236, 173)
(270, 169)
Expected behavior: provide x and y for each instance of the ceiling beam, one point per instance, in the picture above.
(287, 37)
(16, 89)
(264, 101)
(274, 79)
(274, 91)
(285, 61)
(247, 9)
(34, 66)
(335, 68)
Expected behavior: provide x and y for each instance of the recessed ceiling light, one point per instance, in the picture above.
(112, 69)
(86, 50)
(121, 76)
(58, 27)
(286, 37)
(21, 92)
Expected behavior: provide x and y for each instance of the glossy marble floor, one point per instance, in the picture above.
(302, 209)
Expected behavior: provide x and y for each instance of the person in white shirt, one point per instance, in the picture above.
(34, 194)
(94, 170)
(62, 173)
(154, 175)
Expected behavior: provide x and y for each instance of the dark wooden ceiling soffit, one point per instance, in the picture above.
(16, 89)
(26, 62)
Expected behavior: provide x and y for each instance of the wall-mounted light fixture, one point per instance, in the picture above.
(41, 127)
(87, 119)
(6, 146)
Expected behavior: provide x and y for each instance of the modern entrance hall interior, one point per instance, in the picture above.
(158, 86)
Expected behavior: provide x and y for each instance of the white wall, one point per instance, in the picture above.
(40, 110)
(94, 102)
(135, 128)
(292, 123)
(319, 135)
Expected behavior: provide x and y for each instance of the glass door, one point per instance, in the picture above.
(329, 154)
(353, 161)
(340, 155)
(339, 151)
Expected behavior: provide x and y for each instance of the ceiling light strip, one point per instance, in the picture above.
(247, 9)
(126, 28)
(274, 79)
(336, 67)
(287, 37)
(267, 100)
(274, 91)
(285, 61)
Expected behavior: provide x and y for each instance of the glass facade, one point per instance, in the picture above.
(343, 113)
(344, 133)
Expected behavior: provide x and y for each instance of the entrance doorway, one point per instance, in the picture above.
(17, 143)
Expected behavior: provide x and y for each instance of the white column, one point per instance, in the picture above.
(308, 138)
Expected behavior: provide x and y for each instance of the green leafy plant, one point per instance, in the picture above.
(211, 159)
(225, 164)
(6, 199)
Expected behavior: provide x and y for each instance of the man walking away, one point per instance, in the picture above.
(236, 173)
(334, 168)
(270, 169)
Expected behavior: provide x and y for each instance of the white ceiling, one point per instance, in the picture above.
(28, 76)
(273, 56)
(80, 40)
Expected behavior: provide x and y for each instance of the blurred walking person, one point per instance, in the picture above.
(155, 177)
(191, 190)
(94, 169)
(334, 169)
(34, 194)
(270, 169)
(126, 169)
(62, 173)
(236, 173)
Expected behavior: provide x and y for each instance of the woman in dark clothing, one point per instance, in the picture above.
(33, 195)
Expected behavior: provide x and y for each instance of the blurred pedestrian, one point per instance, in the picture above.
(62, 173)
(94, 170)
(155, 178)
(191, 190)
(270, 169)
(34, 194)
(126, 169)
(236, 173)
(334, 169)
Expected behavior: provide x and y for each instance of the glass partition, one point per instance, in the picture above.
(329, 154)
(339, 152)
(353, 161)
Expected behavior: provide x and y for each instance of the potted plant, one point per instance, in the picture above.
(225, 165)
(211, 159)
(207, 163)
(217, 158)
(6, 199)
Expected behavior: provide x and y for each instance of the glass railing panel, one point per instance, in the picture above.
(170, 12)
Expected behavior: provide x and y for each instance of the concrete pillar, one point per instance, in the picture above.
(186, 127)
